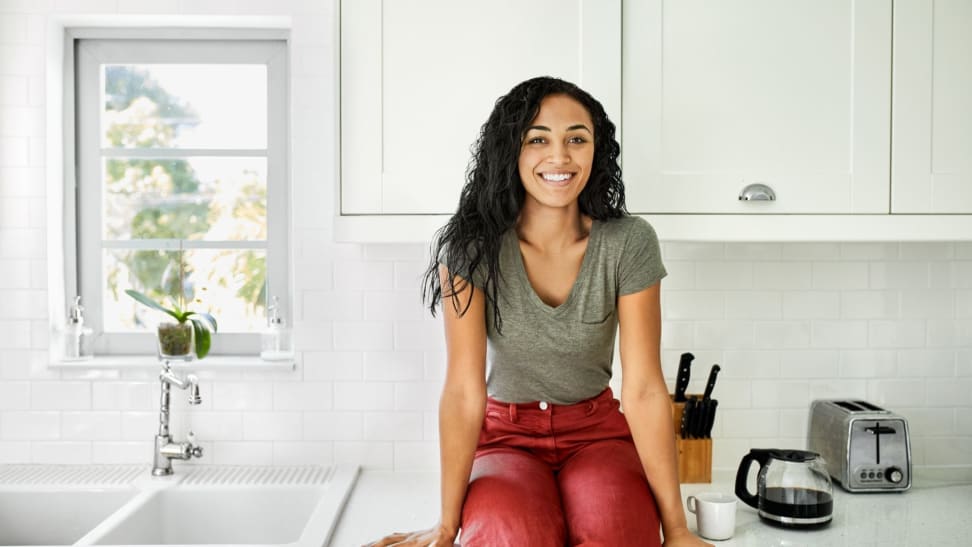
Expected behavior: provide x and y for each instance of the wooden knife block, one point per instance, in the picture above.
(694, 455)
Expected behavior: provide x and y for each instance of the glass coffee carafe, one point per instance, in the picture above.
(793, 487)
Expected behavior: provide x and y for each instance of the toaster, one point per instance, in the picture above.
(867, 448)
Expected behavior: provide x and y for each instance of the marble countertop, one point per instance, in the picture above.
(936, 511)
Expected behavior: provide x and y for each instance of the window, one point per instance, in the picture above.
(181, 182)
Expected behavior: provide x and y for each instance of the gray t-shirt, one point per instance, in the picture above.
(563, 355)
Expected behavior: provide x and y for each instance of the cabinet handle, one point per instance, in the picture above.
(757, 192)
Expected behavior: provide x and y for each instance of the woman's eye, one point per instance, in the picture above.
(577, 140)
(536, 140)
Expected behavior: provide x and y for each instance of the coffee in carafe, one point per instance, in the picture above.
(793, 487)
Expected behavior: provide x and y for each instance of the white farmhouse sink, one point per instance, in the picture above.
(270, 515)
(199, 505)
(55, 517)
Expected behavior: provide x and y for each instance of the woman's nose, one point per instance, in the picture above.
(559, 154)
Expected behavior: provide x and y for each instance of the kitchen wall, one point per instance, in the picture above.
(887, 322)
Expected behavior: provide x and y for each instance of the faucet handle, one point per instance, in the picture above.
(194, 397)
(195, 450)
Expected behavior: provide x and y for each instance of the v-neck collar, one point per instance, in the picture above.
(581, 273)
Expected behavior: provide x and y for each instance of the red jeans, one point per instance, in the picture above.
(556, 475)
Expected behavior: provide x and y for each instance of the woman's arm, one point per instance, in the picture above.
(461, 409)
(648, 409)
(463, 400)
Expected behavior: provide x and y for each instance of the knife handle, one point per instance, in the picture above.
(710, 384)
(682, 379)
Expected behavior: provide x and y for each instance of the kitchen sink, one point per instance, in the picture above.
(199, 505)
(55, 516)
(205, 516)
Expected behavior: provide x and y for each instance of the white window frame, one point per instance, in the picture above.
(85, 50)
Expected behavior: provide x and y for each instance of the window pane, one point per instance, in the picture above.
(228, 283)
(184, 106)
(214, 199)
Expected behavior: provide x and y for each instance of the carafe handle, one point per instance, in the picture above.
(742, 491)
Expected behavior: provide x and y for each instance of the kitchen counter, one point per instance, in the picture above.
(936, 511)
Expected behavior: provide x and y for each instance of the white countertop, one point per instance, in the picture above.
(936, 511)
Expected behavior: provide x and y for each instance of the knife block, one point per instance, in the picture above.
(694, 455)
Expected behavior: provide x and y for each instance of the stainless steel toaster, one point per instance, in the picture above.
(867, 448)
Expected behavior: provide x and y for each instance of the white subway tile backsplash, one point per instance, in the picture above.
(782, 334)
(750, 364)
(844, 388)
(30, 425)
(926, 250)
(693, 251)
(896, 334)
(928, 304)
(118, 453)
(928, 421)
(435, 365)
(242, 396)
(733, 393)
(13, 89)
(678, 305)
(811, 305)
(894, 393)
(883, 304)
(811, 251)
(724, 334)
(780, 394)
(426, 335)
(138, 425)
(950, 450)
(753, 305)
(394, 305)
(963, 304)
(961, 274)
(898, 275)
(724, 275)
(949, 334)
(90, 426)
(363, 275)
(364, 335)
(60, 396)
(963, 420)
(273, 426)
(809, 364)
(338, 305)
(417, 396)
(303, 453)
(754, 251)
(926, 362)
(14, 451)
(240, 453)
(410, 275)
(14, 396)
(782, 275)
(866, 363)
(838, 334)
(215, 426)
(416, 456)
(869, 251)
(303, 396)
(393, 426)
(124, 396)
(60, 452)
(749, 423)
(333, 426)
(364, 396)
(681, 276)
(949, 391)
(840, 275)
(393, 366)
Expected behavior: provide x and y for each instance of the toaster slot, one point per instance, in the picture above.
(868, 406)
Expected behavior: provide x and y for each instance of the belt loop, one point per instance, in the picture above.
(513, 412)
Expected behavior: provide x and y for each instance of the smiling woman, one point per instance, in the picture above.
(542, 265)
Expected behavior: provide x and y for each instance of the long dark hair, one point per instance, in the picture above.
(493, 195)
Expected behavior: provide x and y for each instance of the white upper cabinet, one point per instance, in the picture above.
(794, 95)
(931, 157)
(419, 78)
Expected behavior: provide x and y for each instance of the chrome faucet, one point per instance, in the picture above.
(165, 449)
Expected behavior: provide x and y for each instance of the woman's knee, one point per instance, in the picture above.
(512, 501)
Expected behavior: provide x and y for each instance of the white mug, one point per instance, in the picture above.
(715, 513)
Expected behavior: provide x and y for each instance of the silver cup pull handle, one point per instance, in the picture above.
(757, 192)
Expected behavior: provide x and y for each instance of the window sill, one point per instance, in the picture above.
(212, 362)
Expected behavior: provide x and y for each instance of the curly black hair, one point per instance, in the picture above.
(493, 194)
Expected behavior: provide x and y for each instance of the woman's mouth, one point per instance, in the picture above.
(557, 179)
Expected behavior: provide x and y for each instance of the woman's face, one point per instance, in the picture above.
(557, 152)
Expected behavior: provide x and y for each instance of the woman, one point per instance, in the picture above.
(540, 266)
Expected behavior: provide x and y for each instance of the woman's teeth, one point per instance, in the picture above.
(556, 177)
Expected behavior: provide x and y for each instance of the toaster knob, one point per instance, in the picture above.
(894, 474)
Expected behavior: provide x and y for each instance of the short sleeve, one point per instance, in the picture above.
(640, 264)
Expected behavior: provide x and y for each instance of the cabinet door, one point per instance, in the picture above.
(931, 154)
(419, 78)
(720, 95)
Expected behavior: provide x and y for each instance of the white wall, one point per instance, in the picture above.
(887, 322)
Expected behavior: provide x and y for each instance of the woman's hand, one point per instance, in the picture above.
(683, 538)
(438, 536)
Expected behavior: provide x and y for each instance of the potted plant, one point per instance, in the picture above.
(176, 339)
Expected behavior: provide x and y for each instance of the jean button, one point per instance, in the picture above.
(544, 405)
